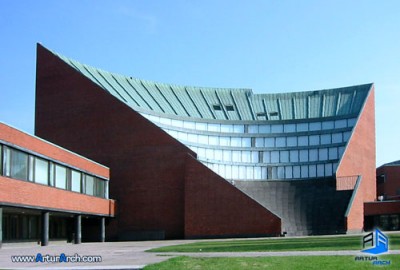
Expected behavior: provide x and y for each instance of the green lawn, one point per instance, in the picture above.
(310, 262)
(278, 244)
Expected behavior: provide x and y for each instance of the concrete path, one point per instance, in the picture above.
(124, 255)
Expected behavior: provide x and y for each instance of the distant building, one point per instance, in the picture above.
(385, 212)
(47, 192)
(191, 162)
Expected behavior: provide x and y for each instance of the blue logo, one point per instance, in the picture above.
(376, 243)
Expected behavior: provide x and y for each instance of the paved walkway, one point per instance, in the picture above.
(126, 255)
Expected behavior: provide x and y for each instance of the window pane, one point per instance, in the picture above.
(323, 154)
(228, 172)
(242, 172)
(346, 136)
(259, 142)
(269, 142)
(302, 127)
(218, 154)
(294, 156)
(289, 128)
(100, 188)
(333, 154)
(257, 173)
(253, 128)
(313, 154)
(312, 171)
(351, 122)
(235, 142)
(304, 171)
(340, 123)
(296, 171)
(246, 142)
(315, 126)
(75, 181)
(201, 126)
(41, 171)
(288, 172)
(235, 172)
(238, 128)
(89, 185)
(277, 128)
(203, 139)
(61, 176)
(320, 170)
(328, 169)
(281, 142)
(328, 125)
(284, 156)
(303, 141)
(266, 157)
(213, 140)
(281, 172)
(214, 127)
(337, 138)
(291, 141)
(264, 129)
(303, 155)
(275, 156)
(314, 140)
(236, 156)
(227, 155)
(225, 141)
(249, 173)
(19, 165)
(326, 139)
(254, 156)
(246, 156)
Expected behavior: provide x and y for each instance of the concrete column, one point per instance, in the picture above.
(102, 229)
(1, 227)
(45, 228)
(78, 229)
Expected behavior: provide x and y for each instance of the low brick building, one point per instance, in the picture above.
(47, 192)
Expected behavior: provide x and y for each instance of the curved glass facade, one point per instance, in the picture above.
(261, 150)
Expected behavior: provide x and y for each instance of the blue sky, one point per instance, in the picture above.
(268, 46)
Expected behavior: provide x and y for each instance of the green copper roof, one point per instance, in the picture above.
(225, 104)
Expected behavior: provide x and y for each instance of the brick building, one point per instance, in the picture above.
(191, 162)
(47, 192)
(385, 212)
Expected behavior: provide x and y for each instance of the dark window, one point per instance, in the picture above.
(217, 107)
(229, 108)
(273, 114)
(262, 114)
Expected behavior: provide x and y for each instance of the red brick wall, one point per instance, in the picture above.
(381, 208)
(214, 207)
(24, 193)
(392, 181)
(21, 139)
(360, 159)
(147, 164)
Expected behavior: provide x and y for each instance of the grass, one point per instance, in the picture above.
(278, 244)
(292, 262)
